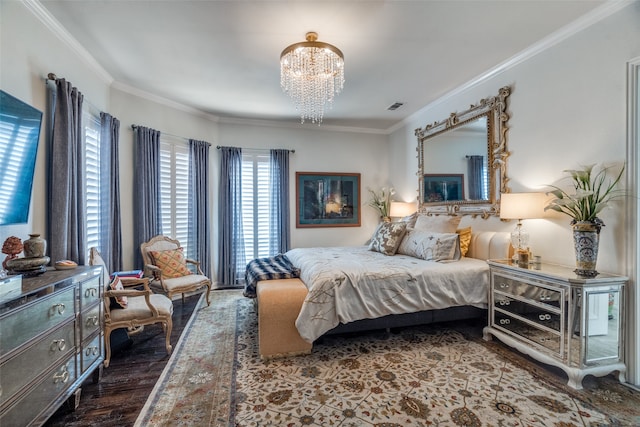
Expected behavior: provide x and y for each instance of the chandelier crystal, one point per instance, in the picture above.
(312, 73)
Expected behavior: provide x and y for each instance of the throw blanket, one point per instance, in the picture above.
(277, 267)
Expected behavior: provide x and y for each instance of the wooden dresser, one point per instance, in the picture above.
(51, 340)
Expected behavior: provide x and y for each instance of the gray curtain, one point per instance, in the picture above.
(146, 185)
(199, 235)
(110, 223)
(280, 239)
(66, 220)
(231, 255)
(476, 177)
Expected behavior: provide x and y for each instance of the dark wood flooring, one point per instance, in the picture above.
(125, 385)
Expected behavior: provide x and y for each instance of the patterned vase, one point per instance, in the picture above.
(586, 237)
(35, 246)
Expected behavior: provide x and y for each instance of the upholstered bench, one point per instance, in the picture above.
(279, 302)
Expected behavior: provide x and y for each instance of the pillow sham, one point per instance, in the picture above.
(465, 240)
(387, 237)
(117, 302)
(438, 223)
(430, 246)
(171, 263)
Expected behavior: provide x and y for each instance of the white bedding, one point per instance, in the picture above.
(352, 283)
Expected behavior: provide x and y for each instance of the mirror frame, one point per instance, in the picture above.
(494, 108)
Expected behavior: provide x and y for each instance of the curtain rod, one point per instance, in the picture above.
(134, 127)
(250, 148)
(53, 78)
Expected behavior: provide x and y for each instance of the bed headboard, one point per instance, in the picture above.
(490, 245)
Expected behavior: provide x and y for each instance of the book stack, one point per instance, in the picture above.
(136, 274)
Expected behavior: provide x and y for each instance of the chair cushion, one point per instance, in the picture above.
(138, 308)
(184, 281)
(171, 263)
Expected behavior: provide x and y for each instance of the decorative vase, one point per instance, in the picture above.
(386, 219)
(35, 246)
(586, 237)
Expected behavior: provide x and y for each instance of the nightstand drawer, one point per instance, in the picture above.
(89, 292)
(91, 351)
(541, 314)
(26, 323)
(90, 321)
(15, 373)
(528, 291)
(540, 337)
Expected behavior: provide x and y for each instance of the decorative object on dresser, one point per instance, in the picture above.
(521, 206)
(165, 263)
(51, 342)
(381, 202)
(34, 259)
(593, 193)
(559, 317)
(12, 246)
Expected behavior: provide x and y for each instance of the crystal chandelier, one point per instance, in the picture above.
(312, 73)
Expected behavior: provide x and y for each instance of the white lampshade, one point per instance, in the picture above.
(522, 205)
(402, 209)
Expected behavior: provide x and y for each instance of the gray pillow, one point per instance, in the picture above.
(387, 237)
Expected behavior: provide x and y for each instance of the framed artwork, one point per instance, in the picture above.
(443, 187)
(327, 199)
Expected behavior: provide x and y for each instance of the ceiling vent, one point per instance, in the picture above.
(395, 106)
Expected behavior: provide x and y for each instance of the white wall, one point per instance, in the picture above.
(567, 108)
(29, 52)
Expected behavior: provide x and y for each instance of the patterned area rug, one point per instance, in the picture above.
(435, 375)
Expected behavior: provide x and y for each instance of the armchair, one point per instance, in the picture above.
(165, 264)
(126, 307)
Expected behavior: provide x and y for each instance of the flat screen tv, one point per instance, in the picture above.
(19, 135)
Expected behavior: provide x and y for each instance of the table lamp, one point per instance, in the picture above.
(521, 206)
(402, 209)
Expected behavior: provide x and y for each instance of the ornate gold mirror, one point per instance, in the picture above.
(462, 160)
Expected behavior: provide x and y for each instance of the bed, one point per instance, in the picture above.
(356, 288)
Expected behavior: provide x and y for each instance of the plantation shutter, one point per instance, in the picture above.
(95, 197)
(255, 204)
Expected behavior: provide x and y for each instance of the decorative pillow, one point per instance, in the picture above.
(465, 240)
(438, 223)
(117, 302)
(410, 220)
(171, 263)
(387, 237)
(430, 246)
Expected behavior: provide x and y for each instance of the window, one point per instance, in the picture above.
(96, 187)
(255, 204)
(174, 189)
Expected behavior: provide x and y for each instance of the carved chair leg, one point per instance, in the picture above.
(168, 325)
(208, 292)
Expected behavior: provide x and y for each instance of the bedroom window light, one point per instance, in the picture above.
(255, 203)
(174, 189)
(95, 185)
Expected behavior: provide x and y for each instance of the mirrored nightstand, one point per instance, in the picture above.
(559, 318)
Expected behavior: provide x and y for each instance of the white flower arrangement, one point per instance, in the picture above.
(381, 201)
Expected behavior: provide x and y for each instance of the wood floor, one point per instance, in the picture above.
(125, 385)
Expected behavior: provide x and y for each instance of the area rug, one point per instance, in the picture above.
(438, 375)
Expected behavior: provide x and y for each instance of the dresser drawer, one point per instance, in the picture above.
(29, 407)
(89, 292)
(90, 321)
(90, 352)
(33, 319)
(543, 315)
(529, 291)
(542, 338)
(46, 352)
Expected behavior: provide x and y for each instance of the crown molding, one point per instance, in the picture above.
(593, 17)
(36, 8)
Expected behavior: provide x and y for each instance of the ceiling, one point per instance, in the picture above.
(222, 57)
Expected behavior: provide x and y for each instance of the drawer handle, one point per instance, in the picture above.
(505, 321)
(59, 345)
(91, 351)
(504, 285)
(62, 377)
(544, 316)
(503, 302)
(92, 321)
(91, 292)
(60, 308)
(545, 298)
